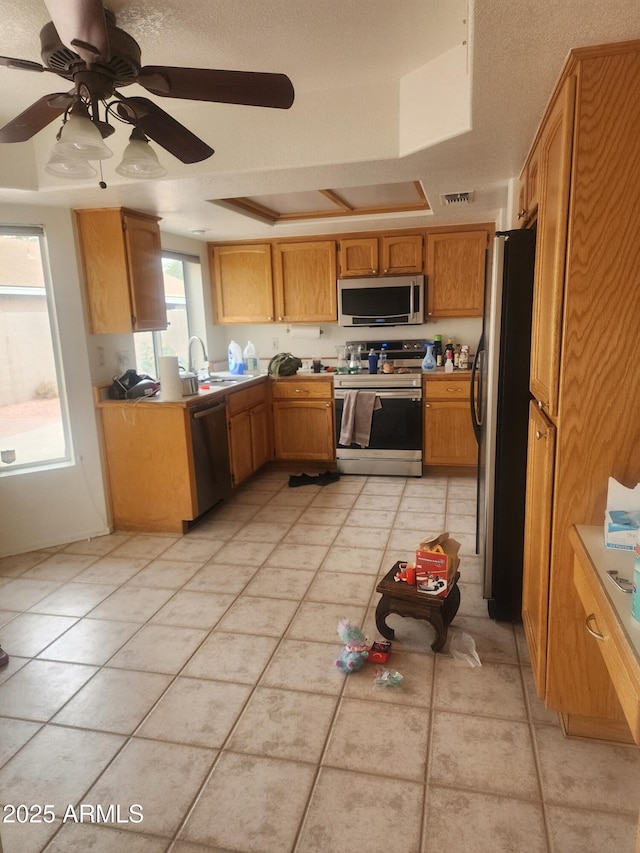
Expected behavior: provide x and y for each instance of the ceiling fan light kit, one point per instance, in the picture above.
(80, 139)
(61, 166)
(83, 44)
(139, 159)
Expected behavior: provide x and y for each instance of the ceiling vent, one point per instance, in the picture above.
(456, 199)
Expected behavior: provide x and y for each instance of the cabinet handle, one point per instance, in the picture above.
(374, 272)
(279, 319)
(385, 271)
(593, 633)
(427, 405)
(269, 318)
(540, 434)
(522, 213)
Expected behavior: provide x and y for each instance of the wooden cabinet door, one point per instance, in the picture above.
(144, 260)
(260, 437)
(529, 187)
(448, 435)
(401, 254)
(122, 265)
(537, 540)
(358, 257)
(242, 283)
(555, 169)
(303, 430)
(305, 282)
(455, 273)
(240, 447)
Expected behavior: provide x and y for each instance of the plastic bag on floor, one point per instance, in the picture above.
(463, 648)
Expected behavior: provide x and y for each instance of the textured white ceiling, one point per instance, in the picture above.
(332, 50)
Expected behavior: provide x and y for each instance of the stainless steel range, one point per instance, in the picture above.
(391, 403)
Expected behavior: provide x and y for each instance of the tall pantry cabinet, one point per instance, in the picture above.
(585, 365)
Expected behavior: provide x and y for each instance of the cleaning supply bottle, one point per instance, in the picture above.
(428, 362)
(373, 361)
(235, 359)
(250, 359)
(448, 365)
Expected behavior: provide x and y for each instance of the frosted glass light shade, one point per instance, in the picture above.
(139, 160)
(68, 167)
(81, 139)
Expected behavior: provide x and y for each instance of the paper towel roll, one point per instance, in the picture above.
(309, 333)
(170, 384)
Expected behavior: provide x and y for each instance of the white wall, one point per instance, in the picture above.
(61, 504)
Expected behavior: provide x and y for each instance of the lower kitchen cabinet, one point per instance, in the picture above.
(303, 419)
(448, 434)
(535, 581)
(151, 461)
(249, 433)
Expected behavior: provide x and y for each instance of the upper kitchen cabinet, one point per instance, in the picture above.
(305, 282)
(275, 282)
(242, 283)
(554, 147)
(122, 263)
(528, 196)
(389, 254)
(456, 263)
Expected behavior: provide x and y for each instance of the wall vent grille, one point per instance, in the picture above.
(455, 199)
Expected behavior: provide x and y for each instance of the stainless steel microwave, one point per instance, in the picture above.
(388, 301)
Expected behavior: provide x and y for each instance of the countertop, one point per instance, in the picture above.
(228, 384)
(603, 559)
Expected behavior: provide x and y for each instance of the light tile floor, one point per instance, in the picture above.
(193, 678)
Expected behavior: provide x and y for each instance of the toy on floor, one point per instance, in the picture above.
(355, 652)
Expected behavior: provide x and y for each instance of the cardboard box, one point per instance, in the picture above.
(622, 517)
(437, 562)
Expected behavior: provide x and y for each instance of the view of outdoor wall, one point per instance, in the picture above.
(174, 340)
(32, 431)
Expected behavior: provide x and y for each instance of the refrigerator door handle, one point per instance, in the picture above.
(476, 400)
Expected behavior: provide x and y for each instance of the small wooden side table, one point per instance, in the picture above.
(398, 597)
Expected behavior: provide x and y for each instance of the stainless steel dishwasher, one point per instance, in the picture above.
(210, 453)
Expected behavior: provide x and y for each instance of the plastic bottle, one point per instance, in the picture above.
(250, 359)
(428, 362)
(635, 595)
(382, 361)
(448, 365)
(437, 349)
(448, 348)
(235, 359)
(373, 361)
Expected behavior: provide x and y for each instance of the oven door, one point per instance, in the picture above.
(395, 443)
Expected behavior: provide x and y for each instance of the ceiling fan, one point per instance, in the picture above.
(82, 44)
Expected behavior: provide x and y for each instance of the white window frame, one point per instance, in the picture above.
(67, 458)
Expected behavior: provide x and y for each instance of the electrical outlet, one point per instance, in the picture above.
(275, 346)
(100, 354)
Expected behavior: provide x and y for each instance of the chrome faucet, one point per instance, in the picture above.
(190, 354)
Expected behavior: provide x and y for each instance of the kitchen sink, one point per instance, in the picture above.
(218, 382)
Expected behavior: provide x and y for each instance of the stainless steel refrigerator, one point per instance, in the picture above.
(500, 415)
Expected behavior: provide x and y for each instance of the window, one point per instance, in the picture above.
(33, 414)
(180, 273)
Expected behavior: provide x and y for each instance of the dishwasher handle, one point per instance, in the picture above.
(203, 413)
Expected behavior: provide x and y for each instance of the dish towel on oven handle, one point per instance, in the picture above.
(357, 411)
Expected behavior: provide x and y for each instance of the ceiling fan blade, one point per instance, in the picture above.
(82, 27)
(34, 118)
(22, 64)
(164, 129)
(251, 88)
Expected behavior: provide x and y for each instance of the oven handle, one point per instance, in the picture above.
(413, 394)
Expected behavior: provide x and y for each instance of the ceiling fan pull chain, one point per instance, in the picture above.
(102, 183)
